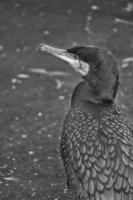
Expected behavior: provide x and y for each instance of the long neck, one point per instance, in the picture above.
(103, 79)
(83, 94)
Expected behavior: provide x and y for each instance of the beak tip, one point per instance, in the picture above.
(41, 47)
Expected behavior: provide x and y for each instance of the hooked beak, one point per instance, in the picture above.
(79, 66)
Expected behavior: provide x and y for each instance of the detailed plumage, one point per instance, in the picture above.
(98, 155)
(97, 138)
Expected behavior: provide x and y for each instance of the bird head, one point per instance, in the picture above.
(97, 67)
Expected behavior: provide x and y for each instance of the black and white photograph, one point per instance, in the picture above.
(66, 99)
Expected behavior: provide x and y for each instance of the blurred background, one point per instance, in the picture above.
(35, 88)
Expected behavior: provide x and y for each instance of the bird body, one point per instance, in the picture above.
(98, 154)
(97, 137)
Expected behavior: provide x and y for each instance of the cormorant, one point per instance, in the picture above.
(97, 137)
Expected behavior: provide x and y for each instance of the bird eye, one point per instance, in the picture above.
(75, 57)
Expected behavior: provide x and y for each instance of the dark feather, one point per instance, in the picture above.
(109, 175)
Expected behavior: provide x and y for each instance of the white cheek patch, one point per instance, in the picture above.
(85, 68)
(81, 67)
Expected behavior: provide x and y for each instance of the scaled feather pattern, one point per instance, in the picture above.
(98, 158)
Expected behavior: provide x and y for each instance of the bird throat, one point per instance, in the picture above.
(83, 94)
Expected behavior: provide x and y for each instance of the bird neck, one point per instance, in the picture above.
(83, 94)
